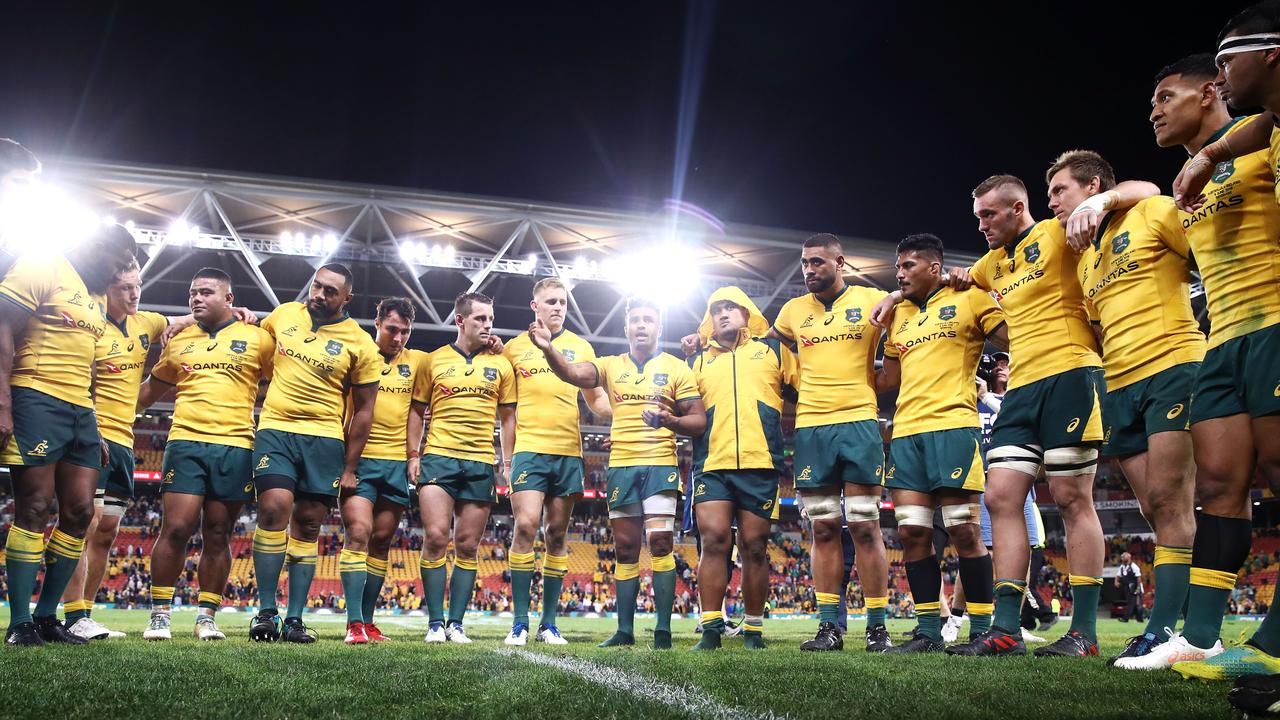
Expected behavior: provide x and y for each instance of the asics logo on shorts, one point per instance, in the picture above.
(1174, 412)
(1277, 391)
(766, 505)
(955, 474)
(263, 462)
(671, 478)
(248, 487)
(1075, 423)
(336, 481)
(40, 450)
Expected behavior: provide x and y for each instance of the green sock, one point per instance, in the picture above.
(876, 607)
(978, 624)
(60, 559)
(627, 586)
(377, 574)
(1085, 592)
(828, 607)
(268, 561)
(551, 587)
(664, 589)
(521, 567)
(75, 610)
(1173, 578)
(301, 559)
(434, 578)
(461, 585)
(1009, 605)
(351, 568)
(21, 565)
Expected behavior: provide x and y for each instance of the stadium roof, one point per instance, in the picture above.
(271, 233)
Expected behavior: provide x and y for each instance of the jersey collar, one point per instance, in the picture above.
(924, 303)
(1012, 247)
(557, 333)
(213, 332)
(317, 323)
(640, 364)
(465, 356)
(389, 358)
(828, 305)
(122, 326)
(1223, 130)
(1102, 228)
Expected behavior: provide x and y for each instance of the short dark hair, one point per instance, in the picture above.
(926, 244)
(462, 304)
(1199, 65)
(1084, 165)
(1263, 17)
(641, 301)
(999, 181)
(342, 270)
(825, 240)
(399, 305)
(13, 156)
(212, 273)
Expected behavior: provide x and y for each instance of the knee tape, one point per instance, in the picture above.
(1025, 459)
(660, 505)
(913, 515)
(822, 507)
(659, 524)
(112, 506)
(1070, 461)
(953, 515)
(866, 508)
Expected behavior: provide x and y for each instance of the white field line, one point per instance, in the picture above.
(674, 696)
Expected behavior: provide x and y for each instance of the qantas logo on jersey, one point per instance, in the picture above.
(316, 363)
(924, 339)
(480, 390)
(1112, 276)
(1210, 208)
(190, 368)
(69, 321)
(1004, 291)
(122, 367)
(818, 340)
(530, 372)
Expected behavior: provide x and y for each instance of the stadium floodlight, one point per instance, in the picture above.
(330, 243)
(180, 233)
(449, 254)
(668, 273)
(40, 218)
(530, 264)
(108, 220)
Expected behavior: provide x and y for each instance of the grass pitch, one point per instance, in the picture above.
(183, 678)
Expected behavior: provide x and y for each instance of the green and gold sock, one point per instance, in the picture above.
(162, 597)
(209, 602)
(626, 580)
(61, 556)
(1008, 611)
(377, 575)
(664, 588)
(1085, 592)
(977, 576)
(88, 608)
(1172, 577)
(925, 581)
(828, 607)
(351, 568)
(554, 568)
(712, 622)
(434, 578)
(753, 632)
(268, 561)
(461, 587)
(876, 607)
(301, 558)
(21, 564)
(521, 567)
(75, 610)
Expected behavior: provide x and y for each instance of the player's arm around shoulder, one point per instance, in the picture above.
(580, 374)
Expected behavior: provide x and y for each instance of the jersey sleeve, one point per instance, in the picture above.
(783, 323)
(790, 368)
(166, 370)
(28, 284)
(1092, 311)
(366, 368)
(891, 350)
(153, 324)
(422, 378)
(588, 352)
(1162, 219)
(684, 385)
(601, 364)
(981, 272)
(507, 385)
(986, 312)
(269, 324)
(510, 351)
(266, 354)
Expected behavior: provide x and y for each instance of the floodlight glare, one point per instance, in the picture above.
(40, 218)
(668, 273)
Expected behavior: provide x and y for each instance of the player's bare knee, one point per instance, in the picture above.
(435, 541)
(967, 537)
(74, 517)
(555, 539)
(357, 536)
(525, 532)
(661, 543)
(715, 540)
(755, 551)
(467, 547)
(826, 531)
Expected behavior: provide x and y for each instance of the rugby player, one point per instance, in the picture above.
(542, 455)
(389, 467)
(1135, 276)
(52, 312)
(215, 366)
(935, 457)
(1051, 414)
(742, 376)
(1235, 413)
(654, 396)
(300, 461)
(470, 387)
(121, 353)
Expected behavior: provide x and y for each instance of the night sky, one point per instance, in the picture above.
(863, 119)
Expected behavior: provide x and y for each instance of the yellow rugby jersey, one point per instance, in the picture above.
(404, 381)
(120, 355)
(1034, 280)
(836, 347)
(1135, 276)
(939, 344)
(216, 372)
(54, 353)
(633, 387)
(315, 364)
(466, 391)
(741, 388)
(546, 406)
(1234, 242)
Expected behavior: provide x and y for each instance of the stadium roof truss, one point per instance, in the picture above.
(271, 233)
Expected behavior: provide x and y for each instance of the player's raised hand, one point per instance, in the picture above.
(661, 415)
(1082, 227)
(882, 313)
(958, 278)
(105, 453)
(495, 345)
(176, 325)
(1188, 186)
(539, 334)
(501, 474)
(244, 315)
(691, 344)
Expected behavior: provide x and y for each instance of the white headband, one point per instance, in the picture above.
(1248, 43)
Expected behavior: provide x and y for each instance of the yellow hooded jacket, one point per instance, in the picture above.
(742, 387)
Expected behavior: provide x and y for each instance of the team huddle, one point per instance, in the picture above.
(1093, 307)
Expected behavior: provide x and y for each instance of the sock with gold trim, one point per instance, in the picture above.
(1220, 548)
(554, 568)
(300, 557)
(209, 603)
(1008, 614)
(520, 565)
(75, 609)
(664, 589)
(828, 607)
(162, 597)
(876, 609)
(268, 561)
(1085, 593)
(461, 586)
(351, 568)
(61, 556)
(925, 580)
(1172, 575)
(376, 569)
(626, 580)
(434, 578)
(977, 573)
